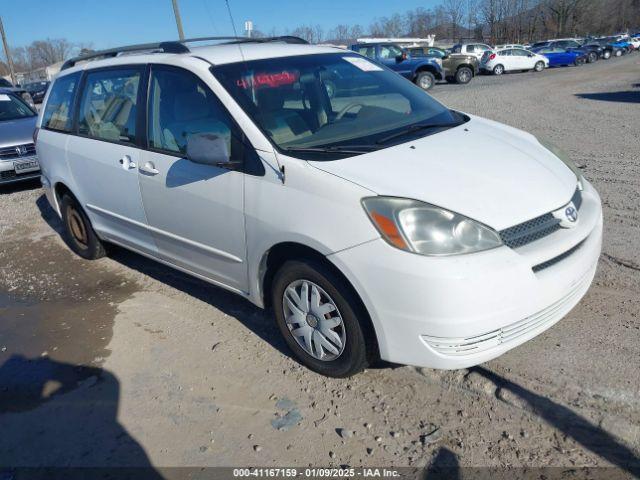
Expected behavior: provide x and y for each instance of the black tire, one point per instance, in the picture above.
(578, 62)
(354, 357)
(538, 67)
(425, 80)
(464, 75)
(498, 69)
(77, 230)
(592, 57)
(606, 54)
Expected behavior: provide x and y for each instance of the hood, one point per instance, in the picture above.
(492, 173)
(17, 132)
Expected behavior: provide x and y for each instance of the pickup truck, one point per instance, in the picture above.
(423, 71)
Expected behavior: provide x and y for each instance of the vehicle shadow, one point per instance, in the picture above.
(59, 420)
(254, 318)
(630, 96)
(568, 422)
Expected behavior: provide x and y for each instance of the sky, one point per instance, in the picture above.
(111, 23)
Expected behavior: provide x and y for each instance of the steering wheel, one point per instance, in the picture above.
(346, 108)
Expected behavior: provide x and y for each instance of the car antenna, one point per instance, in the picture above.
(235, 33)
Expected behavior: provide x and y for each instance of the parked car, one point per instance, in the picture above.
(512, 59)
(458, 67)
(376, 225)
(559, 57)
(423, 71)
(610, 49)
(475, 49)
(509, 45)
(591, 52)
(37, 90)
(635, 43)
(18, 159)
(19, 91)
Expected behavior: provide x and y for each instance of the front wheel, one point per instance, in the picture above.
(320, 318)
(464, 75)
(425, 80)
(618, 53)
(498, 69)
(607, 54)
(538, 67)
(593, 57)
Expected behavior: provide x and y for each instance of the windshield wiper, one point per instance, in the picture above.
(334, 149)
(416, 128)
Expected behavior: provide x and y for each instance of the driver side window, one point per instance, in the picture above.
(182, 106)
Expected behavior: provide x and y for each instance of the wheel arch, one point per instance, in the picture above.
(282, 252)
(426, 67)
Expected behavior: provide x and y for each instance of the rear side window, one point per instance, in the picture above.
(57, 114)
(182, 106)
(109, 104)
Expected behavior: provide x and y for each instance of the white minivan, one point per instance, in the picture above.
(376, 222)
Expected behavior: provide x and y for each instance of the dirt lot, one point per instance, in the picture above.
(125, 362)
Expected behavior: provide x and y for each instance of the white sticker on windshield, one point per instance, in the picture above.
(363, 64)
(4, 97)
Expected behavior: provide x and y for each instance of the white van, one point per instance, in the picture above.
(375, 222)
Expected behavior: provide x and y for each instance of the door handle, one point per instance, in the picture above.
(149, 168)
(127, 163)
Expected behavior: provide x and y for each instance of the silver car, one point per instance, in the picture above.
(18, 160)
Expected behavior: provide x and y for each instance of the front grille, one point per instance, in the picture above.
(10, 153)
(536, 228)
(452, 346)
(8, 174)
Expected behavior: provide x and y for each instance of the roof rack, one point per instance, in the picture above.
(175, 46)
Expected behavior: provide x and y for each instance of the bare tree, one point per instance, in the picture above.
(454, 10)
(46, 52)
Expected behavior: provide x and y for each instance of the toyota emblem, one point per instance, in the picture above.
(571, 213)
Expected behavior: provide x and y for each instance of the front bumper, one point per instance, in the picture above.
(455, 312)
(8, 173)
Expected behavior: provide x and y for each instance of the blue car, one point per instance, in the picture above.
(423, 71)
(559, 57)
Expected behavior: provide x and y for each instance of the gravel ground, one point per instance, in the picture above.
(123, 362)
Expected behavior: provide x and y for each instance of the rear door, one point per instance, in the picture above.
(104, 153)
(195, 210)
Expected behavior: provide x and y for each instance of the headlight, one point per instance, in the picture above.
(426, 229)
(564, 157)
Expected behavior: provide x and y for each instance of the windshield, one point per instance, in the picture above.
(329, 100)
(11, 108)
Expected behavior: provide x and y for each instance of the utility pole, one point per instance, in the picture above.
(176, 12)
(7, 53)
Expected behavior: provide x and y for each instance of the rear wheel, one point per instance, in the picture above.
(579, 61)
(77, 230)
(539, 66)
(498, 69)
(425, 80)
(592, 57)
(606, 54)
(464, 75)
(618, 53)
(320, 318)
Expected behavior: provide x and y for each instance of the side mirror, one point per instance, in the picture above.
(210, 149)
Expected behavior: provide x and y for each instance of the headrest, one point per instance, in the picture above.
(269, 99)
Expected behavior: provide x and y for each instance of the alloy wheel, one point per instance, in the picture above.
(313, 319)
